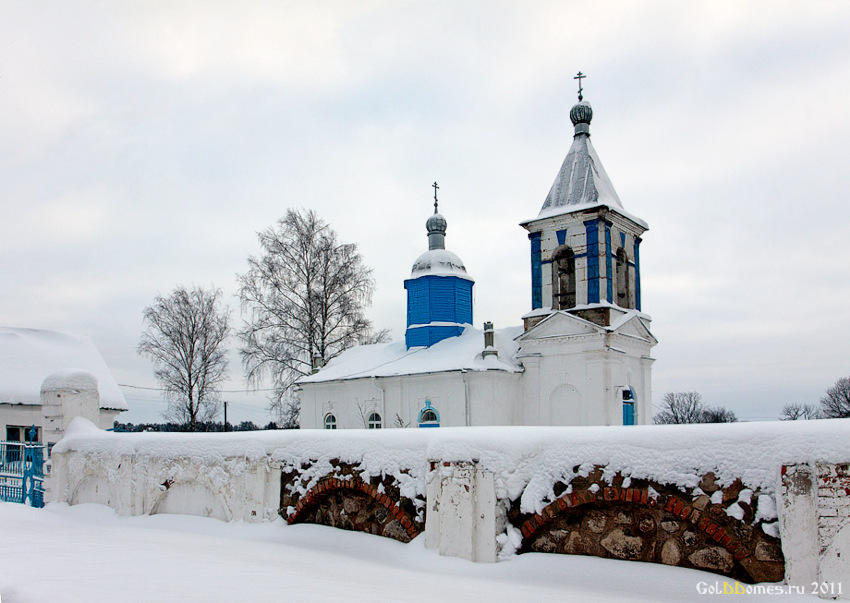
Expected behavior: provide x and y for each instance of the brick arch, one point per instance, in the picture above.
(392, 522)
(629, 523)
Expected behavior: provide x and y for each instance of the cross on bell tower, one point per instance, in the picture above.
(579, 77)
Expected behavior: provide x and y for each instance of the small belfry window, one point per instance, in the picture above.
(563, 278)
(375, 421)
(428, 416)
(623, 289)
(330, 421)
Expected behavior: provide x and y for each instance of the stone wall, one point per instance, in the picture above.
(342, 499)
(706, 502)
(639, 520)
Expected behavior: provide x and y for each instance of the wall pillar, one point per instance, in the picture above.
(461, 516)
(815, 526)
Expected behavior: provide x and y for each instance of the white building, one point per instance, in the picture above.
(582, 356)
(47, 378)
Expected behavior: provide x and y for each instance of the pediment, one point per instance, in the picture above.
(635, 327)
(560, 324)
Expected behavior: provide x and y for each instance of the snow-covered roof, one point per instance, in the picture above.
(29, 356)
(582, 182)
(454, 353)
(439, 262)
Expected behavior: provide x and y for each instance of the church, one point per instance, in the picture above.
(581, 356)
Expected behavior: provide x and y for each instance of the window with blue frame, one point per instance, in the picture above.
(428, 416)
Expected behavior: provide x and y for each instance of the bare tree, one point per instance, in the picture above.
(304, 301)
(688, 407)
(718, 414)
(183, 335)
(836, 402)
(680, 407)
(799, 412)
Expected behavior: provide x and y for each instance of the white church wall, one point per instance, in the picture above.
(484, 397)
(495, 398)
(578, 380)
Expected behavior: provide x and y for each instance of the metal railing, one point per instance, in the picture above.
(22, 473)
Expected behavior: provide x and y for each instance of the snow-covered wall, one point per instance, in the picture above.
(713, 488)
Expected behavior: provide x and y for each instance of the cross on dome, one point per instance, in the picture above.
(435, 187)
(579, 77)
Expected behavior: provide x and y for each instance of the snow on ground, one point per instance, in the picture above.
(88, 553)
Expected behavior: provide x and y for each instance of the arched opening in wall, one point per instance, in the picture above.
(91, 490)
(352, 504)
(330, 421)
(375, 421)
(654, 523)
(623, 288)
(565, 405)
(428, 416)
(563, 278)
(190, 498)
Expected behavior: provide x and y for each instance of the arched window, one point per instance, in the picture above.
(330, 421)
(623, 289)
(563, 278)
(428, 416)
(375, 421)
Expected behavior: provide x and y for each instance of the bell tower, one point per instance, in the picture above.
(585, 247)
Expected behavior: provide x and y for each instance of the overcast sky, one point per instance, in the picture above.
(144, 144)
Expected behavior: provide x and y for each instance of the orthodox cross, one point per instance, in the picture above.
(579, 77)
(435, 186)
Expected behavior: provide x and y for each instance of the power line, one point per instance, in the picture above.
(224, 391)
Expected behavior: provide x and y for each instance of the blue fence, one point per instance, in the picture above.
(22, 473)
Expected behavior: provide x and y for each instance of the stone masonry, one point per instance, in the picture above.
(651, 522)
(344, 500)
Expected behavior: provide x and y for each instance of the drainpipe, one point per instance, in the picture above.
(383, 400)
(465, 396)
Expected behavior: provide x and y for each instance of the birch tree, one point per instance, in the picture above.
(184, 337)
(303, 301)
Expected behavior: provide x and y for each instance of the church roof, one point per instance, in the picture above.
(394, 359)
(582, 180)
(439, 262)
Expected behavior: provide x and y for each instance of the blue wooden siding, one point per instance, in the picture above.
(608, 262)
(536, 272)
(592, 235)
(562, 236)
(443, 299)
(637, 273)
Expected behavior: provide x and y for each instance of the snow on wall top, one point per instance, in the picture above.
(451, 354)
(70, 379)
(526, 461)
(29, 356)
